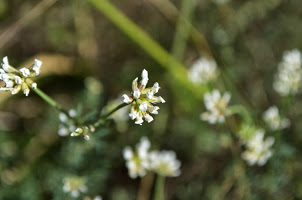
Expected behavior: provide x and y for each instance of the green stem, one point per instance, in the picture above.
(50, 101)
(159, 188)
(105, 116)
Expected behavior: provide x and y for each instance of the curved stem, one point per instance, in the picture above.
(50, 101)
(105, 116)
(159, 188)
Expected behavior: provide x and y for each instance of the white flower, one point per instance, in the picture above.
(203, 71)
(258, 150)
(16, 80)
(217, 107)
(142, 100)
(74, 185)
(164, 163)
(274, 121)
(137, 161)
(289, 76)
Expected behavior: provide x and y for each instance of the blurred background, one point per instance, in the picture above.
(88, 63)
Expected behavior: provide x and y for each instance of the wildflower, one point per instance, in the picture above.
(274, 121)
(142, 100)
(16, 80)
(74, 185)
(258, 150)
(289, 76)
(67, 125)
(217, 107)
(164, 163)
(203, 71)
(137, 161)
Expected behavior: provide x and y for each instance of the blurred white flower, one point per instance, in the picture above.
(137, 161)
(98, 198)
(67, 125)
(164, 163)
(258, 149)
(274, 121)
(217, 107)
(74, 185)
(203, 71)
(16, 80)
(142, 100)
(289, 77)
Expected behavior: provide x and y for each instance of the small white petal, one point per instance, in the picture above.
(26, 92)
(148, 118)
(139, 120)
(136, 93)
(126, 99)
(38, 63)
(133, 114)
(162, 100)
(25, 72)
(143, 107)
(155, 87)
(18, 80)
(150, 94)
(144, 74)
(34, 85)
(153, 110)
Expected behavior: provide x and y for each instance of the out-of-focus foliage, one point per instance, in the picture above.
(247, 39)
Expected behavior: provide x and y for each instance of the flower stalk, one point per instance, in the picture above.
(159, 188)
(50, 101)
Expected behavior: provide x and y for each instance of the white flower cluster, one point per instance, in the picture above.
(258, 149)
(16, 80)
(142, 160)
(142, 100)
(217, 106)
(289, 77)
(67, 125)
(203, 71)
(74, 185)
(273, 120)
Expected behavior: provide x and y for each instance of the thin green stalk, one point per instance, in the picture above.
(105, 116)
(50, 101)
(140, 37)
(159, 188)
